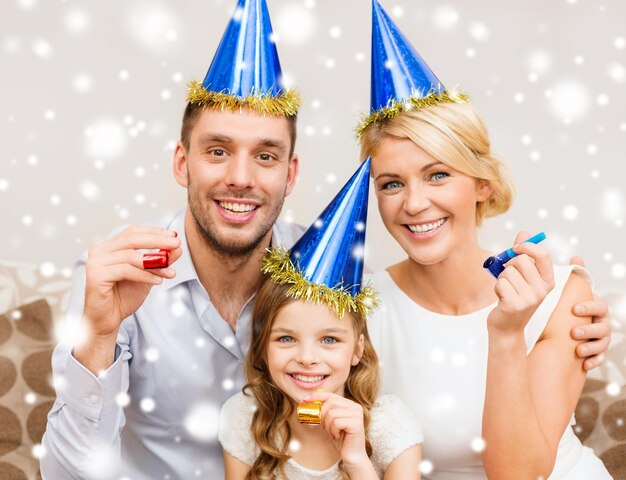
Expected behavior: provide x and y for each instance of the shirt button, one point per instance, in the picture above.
(94, 399)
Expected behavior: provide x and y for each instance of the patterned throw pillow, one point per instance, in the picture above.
(30, 303)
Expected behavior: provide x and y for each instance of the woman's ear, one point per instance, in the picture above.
(484, 189)
(358, 350)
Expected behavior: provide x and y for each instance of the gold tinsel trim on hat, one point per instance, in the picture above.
(285, 105)
(279, 266)
(412, 103)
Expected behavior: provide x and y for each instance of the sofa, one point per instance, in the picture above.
(32, 300)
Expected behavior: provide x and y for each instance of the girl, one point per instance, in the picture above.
(310, 342)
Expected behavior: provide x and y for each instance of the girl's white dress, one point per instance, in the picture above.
(392, 430)
(437, 365)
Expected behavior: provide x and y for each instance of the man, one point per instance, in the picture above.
(174, 342)
(161, 350)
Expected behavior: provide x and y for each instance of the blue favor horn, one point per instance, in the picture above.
(326, 264)
(245, 71)
(495, 264)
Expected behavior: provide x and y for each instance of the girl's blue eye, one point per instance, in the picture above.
(285, 339)
(329, 340)
(439, 176)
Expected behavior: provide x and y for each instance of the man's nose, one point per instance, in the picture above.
(239, 173)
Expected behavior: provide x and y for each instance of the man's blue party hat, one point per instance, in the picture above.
(245, 71)
(326, 264)
(401, 79)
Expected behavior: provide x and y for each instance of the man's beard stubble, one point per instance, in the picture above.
(209, 231)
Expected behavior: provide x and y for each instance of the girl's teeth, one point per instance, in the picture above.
(427, 227)
(308, 379)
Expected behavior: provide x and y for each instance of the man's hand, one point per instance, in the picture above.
(597, 334)
(116, 286)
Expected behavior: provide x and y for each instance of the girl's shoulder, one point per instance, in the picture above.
(238, 403)
(234, 431)
(388, 408)
(392, 430)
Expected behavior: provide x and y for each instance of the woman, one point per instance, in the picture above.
(486, 365)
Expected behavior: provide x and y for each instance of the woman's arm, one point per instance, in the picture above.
(234, 469)
(405, 466)
(530, 399)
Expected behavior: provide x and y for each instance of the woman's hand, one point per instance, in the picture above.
(521, 287)
(342, 419)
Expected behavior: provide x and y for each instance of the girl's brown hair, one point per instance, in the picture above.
(454, 134)
(270, 426)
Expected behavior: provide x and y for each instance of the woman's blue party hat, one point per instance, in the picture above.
(401, 79)
(326, 264)
(245, 71)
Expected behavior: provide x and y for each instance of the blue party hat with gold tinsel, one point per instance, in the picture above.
(401, 79)
(245, 71)
(326, 264)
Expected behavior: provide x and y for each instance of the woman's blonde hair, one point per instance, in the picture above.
(270, 426)
(454, 134)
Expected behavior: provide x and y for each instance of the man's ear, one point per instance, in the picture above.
(179, 165)
(358, 350)
(484, 190)
(292, 174)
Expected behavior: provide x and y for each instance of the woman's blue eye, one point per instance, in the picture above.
(329, 340)
(439, 176)
(390, 185)
(285, 339)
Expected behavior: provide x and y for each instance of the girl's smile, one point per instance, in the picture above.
(311, 348)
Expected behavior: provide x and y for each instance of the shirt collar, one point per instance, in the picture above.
(283, 234)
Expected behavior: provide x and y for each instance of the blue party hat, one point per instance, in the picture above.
(245, 71)
(326, 264)
(401, 79)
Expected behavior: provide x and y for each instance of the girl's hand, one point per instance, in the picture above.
(521, 287)
(342, 419)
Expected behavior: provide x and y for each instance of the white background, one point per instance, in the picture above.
(92, 93)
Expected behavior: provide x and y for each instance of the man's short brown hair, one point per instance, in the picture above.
(192, 112)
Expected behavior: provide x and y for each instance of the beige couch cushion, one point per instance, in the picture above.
(29, 305)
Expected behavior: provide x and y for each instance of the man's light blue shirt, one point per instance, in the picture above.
(157, 407)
